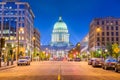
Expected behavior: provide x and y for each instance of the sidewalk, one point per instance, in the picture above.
(4, 65)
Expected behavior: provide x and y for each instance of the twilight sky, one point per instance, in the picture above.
(76, 13)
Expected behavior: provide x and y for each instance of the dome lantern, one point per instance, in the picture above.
(60, 19)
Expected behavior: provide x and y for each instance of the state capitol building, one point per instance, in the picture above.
(59, 44)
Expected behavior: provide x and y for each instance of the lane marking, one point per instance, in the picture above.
(59, 77)
(59, 74)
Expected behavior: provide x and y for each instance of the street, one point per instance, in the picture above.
(49, 70)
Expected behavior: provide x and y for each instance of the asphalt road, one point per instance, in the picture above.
(50, 70)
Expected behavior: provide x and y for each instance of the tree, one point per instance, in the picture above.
(109, 48)
(116, 50)
(96, 54)
(36, 52)
(113, 50)
(10, 54)
(42, 55)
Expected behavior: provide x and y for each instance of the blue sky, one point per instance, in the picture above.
(76, 13)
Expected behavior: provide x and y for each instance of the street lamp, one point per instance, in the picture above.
(78, 44)
(19, 30)
(98, 30)
(106, 50)
(34, 43)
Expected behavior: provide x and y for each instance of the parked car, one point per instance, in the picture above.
(51, 59)
(117, 66)
(69, 59)
(90, 61)
(97, 62)
(77, 59)
(24, 60)
(109, 63)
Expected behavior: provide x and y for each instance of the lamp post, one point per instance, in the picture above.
(106, 51)
(98, 30)
(11, 52)
(19, 30)
(34, 43)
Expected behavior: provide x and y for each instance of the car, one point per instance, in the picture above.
(97, 62)
(90, 61)
(77, 59)
(70, 59)
(109, 63)
(117, 66)
(51, 59)
(25, 60)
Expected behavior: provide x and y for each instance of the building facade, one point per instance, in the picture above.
(84, 44)
(103, 31)
(37, 40)
(15, 15)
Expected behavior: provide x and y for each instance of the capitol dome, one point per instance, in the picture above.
(60, 35)
(60, 25)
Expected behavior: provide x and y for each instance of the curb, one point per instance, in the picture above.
(8, 67)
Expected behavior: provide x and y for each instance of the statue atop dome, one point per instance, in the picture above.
(60, 19)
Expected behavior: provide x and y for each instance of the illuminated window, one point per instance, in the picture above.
(6, 38)
(19, 38)
(22, 32)
(11, 37)
(14, 38)
(22, 38)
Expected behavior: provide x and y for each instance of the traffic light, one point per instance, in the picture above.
(2, 42)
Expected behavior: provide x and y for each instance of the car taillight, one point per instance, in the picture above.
(109, 63)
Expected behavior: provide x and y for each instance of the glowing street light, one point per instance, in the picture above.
(33, 38)
(78, 44)
(106, 50)
(98, 29)
(74, 55)
(19, 30)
